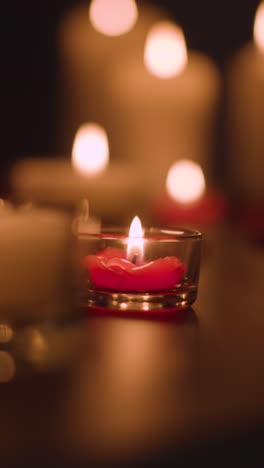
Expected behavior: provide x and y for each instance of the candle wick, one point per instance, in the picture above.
(134, 259)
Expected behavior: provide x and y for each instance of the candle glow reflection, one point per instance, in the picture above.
(113, 17)
(259, 27)
(90, 153)
(185, 181)
(165, 54)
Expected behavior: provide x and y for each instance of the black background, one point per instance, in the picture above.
(28, 85)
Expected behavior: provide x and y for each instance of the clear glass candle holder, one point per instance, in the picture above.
(159, 272)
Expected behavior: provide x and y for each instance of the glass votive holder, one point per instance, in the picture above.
(157, 272)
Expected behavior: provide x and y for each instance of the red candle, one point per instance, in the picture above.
(121, 270)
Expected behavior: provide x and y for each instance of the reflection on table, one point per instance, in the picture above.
(140, 387)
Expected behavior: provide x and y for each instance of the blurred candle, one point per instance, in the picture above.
(245, 117)
(89, 42)
(187, 201)
(113, 190)
(35, 265)
(164, 104)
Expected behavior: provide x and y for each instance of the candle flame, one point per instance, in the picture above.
(259, 27)
(135, 245)
(165, 54)
(90, 153)
(113, 17)
(136, 228)
(185, 181)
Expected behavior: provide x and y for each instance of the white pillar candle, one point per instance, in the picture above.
(34, 264)
(245, 117)
(89, 42)
(114, 191)
(164, 104)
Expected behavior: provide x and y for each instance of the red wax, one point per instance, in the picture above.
(109, 269)
(208, 210)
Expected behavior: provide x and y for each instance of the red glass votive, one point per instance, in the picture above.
(164, 276)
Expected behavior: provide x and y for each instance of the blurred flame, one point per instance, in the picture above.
(135, 245)
(259, 27)
(90, 153)
(165, 52)
(185, 181)
(113, 17)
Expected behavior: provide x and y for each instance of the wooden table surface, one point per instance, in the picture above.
(116, 389)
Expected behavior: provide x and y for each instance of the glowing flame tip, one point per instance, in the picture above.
(136, 228)
(135, 244)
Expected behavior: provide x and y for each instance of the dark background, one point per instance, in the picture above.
(28, 78)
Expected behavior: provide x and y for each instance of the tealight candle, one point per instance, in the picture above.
(187, 201)
(245, 118)
(151, 270)
(164, 104)
(116, 269)
(89, 42)
(113, 190)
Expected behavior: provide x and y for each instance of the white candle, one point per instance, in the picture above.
(34, 264)
(112, 190)
(164, 105)
(89, 42)
(245, 117)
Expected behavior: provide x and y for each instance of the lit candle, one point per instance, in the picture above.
(35, 264)
(139, 271)
(89, 43)
(187, 201)
(164, 104)
(113, 190)
(125, 270)
(245, 118)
